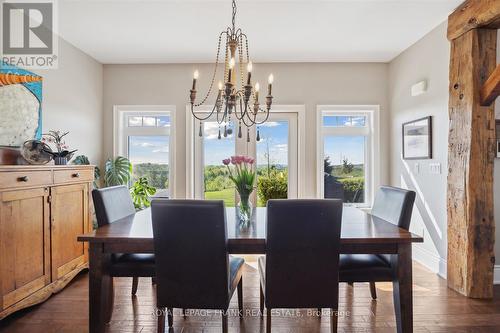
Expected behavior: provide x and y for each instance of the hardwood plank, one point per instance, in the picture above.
(471, 138)
(472, 14)
(436, 309)
(491, 88)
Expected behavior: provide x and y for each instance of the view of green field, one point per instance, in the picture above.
(272, 183)
(351, 178)
(226, 194)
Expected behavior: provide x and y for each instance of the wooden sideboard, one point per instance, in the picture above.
(42, 211)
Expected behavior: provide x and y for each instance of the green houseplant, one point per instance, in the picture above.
(117, 171)
(84, 160)
(141, 192)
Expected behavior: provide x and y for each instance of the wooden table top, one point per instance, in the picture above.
(358, 227)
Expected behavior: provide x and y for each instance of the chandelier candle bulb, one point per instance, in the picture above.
(231, 66)
(249, 69)
(234, 96)
(195, 77)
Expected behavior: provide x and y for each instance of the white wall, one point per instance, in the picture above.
(427, 59)
(304, 83)
(72, 101)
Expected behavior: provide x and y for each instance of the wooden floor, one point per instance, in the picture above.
(436, 309)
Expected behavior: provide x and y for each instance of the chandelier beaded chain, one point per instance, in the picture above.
(233, 100)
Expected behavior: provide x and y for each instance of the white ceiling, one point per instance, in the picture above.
(185, 31)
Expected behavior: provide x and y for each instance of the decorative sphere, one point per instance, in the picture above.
(229, 131)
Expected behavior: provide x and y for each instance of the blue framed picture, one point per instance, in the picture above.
(20, 105)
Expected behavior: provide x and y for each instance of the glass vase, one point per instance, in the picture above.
(244, 211)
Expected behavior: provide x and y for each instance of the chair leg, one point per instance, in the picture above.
(333, 320)
(261, 301)
(135, 282)
(268, 321)
(373, 290)
(170, 317)
(240, 297)
(161, 321)
(224, 321)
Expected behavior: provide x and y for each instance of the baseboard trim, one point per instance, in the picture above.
(438, 265)
(430, 260)
(496, 274)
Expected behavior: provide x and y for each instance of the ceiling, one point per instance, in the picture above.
(186, 31)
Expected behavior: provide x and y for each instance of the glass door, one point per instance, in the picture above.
(275, 155)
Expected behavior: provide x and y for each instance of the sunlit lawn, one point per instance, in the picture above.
(227, 195)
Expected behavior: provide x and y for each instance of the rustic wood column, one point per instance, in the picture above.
(471, 140)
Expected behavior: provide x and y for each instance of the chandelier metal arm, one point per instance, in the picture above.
(215, 70)
(243, 103)
(201, 118)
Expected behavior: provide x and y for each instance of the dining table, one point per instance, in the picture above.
(361, 233)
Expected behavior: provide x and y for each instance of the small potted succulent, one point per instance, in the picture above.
(55, 138)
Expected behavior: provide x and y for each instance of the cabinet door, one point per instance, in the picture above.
(24, 244)
(70, 218)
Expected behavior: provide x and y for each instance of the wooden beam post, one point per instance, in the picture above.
(471, 226)
(473, 14)
(491, 89)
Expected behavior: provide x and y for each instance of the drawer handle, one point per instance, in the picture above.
(76, 175)
(23, 179)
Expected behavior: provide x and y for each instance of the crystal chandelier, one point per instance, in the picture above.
(238, 102)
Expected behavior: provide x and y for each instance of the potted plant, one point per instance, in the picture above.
(243, 177)
(62, 155)
(141, 193)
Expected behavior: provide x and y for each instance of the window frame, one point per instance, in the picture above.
(370, 131)
(193, 145)
(121, 132)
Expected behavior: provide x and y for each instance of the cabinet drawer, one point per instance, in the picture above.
(25, 178)
(73, 176)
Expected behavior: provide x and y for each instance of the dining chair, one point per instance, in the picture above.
(300, 269)
(113, 204)
(393, 205)
(193, 267)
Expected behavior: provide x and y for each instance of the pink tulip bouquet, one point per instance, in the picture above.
(243, 177)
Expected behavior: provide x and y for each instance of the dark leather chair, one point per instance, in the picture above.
(193, 267)
(113, 204)
(300, 269)
(393, 205)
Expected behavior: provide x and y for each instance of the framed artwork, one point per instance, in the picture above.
(417, 139)
(20, 105)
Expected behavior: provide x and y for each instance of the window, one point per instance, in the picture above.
(273, 161)
(276, 156)
(346, 153)
(143, 134)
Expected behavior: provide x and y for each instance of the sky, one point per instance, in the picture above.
(340, 147)
(148, 149)
(154, 149)
(274, 133)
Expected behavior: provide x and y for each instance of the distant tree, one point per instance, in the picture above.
(328, 167)
(347, 166)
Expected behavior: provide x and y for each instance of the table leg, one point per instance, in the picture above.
(403, 290)
(100, 288)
